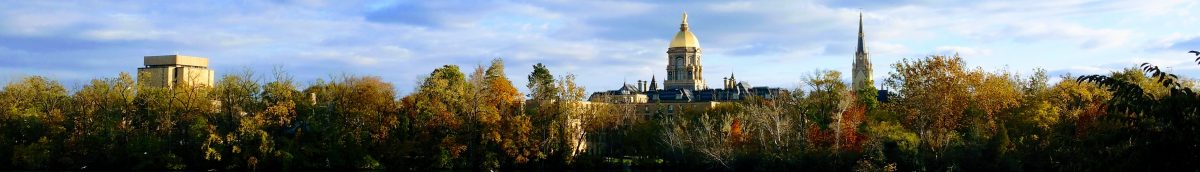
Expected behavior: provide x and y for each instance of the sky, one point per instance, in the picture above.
(603, 43)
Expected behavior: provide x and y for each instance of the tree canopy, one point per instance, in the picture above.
(942, 115)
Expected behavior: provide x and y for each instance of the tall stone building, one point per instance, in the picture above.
(683, 61)
(684, 87)
(171, 70)
(861, 74)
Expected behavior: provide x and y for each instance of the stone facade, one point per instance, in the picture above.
(683, 61)
(171, 70)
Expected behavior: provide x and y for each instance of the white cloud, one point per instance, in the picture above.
(1088, 38)
(736, 6)
(963, 51)
(1159, 61)
(879, 47)
(1088, 70)
(602, 41)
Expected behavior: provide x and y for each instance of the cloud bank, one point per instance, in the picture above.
(771, 43)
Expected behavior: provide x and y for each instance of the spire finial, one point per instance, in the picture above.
(684, 25)
(862, 47)
(685, 17)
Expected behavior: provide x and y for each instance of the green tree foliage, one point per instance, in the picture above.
(34, 122)
(959, 114)
(1153, 114)
(943, 101)
(541, 83)
(475, 121)
(438, 109)
(825, 99)
(553, 106)
(100, 120)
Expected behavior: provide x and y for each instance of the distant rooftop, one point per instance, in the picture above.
(173, 60)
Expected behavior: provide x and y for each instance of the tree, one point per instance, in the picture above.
(364, 109)
(437, 109)
(1154, 120)
(825, 99)
(34, 122)
(227, 132)
(554, 105)
(99, 119)
(514, 127)
(955, 111)
(496, 104)
(933, 98)
(541, 83)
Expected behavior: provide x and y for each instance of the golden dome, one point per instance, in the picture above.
(685, 38)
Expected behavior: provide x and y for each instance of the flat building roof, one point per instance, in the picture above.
(170, 60)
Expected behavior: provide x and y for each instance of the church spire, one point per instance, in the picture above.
(653, 83)
(861, 74)
(862, 47)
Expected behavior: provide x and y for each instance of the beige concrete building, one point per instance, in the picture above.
(171, 70)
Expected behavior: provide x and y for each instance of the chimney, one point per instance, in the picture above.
(641, 86)
(725, 81)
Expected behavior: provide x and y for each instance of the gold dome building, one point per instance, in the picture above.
(684, 87)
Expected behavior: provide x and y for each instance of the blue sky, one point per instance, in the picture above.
(766, 43)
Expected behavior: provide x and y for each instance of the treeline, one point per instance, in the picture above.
(942, 116)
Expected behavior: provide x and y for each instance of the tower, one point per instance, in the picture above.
(861, 74)
(683, 61)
